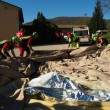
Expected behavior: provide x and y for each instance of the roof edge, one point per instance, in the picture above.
(20, 9)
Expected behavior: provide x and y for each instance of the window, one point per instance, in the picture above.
(81, 33)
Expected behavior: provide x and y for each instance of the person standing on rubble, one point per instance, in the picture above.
(73, 40)
(76, 40)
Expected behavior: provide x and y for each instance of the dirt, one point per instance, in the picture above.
(49, 47)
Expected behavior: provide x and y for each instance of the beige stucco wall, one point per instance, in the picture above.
(9, 21)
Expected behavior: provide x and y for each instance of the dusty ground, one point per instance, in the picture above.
(49, 47)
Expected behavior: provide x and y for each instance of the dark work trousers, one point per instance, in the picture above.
(25, 47)
(3, 56)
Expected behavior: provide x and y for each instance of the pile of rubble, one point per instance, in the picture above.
(88, 68)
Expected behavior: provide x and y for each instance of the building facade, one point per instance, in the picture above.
(66, 28)
(11, 19)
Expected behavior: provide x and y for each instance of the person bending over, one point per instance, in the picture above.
(22, 46)
(6, 47)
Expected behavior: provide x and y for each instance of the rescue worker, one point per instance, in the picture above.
(102, 41)
(5, 47)
(94, 39)
(30, 39)
(22, 46)
(74, 40)
(69, 38)
(20, 33)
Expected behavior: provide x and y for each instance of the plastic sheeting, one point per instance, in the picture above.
(62, 88)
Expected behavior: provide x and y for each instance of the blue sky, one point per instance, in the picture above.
(55, 8)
